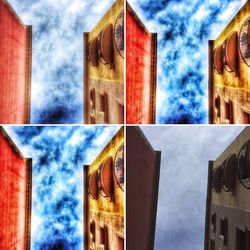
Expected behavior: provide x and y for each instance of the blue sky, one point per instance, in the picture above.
(186, 151)
(59, 154)
(183, 29)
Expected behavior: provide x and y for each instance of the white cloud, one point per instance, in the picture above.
(57, 75)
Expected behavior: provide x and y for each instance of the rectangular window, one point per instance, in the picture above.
(213, 222)
(229, 111)
(92, 98)
(245, 118)
(120, 108)
(120, 243)
(102, 102)
(104, 106)
(92, 119)
(212, 244)
(240, 239)
(92, 231)
(104, 236)
(223, 230)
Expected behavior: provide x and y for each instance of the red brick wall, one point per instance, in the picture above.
(12, 66)
(138, 72)
(13, 173)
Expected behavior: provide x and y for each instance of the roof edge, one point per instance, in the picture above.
(243, 6)
(136, 17)
(13, 11)
(11, 142)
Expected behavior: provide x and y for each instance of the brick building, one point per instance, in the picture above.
(228, 192)
(229, 72)
(15, 196)
(142, 184)
(104, 197)
(15, 67)
(141, 70)
(104, 69)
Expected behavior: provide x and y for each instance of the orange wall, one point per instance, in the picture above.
(138, 72)
(13, 42)
(13, 201)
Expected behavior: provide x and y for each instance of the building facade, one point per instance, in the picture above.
(142, 183)
(229, 72)
(15, 67)
(104, 186)
(104, 69)
(141, 70)
(15, 196)
(228, 192)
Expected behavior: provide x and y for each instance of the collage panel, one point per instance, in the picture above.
(104, 69)
(62, 187)
(15, 67)
(203, 200)
(229, 72)
(139, 66)
(123, 125)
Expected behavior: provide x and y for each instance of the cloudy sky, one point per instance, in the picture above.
(57, 81)
(186, 151)
(59, 154)
(184, 27)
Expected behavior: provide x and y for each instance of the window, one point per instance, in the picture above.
(212, 244)
(102, 102)
(104, 106)
(120, 243)
(223, 230)
(92, 231)
(105, 178)
(217, 105)
(216, 179)
(227, 111)
(228, 173)
(240, 239)
(217, 60)
(92, 98)
(245, 117)
(230, 53)
(104, 236)
(243, 165)
(105, 45)
(213, 222)
(92, 119)
(120, 108)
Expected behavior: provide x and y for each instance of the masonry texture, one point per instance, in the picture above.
(15, 194)
(15, 67)
(104, 69)
(228, 204)
(229, 72)
(104, 197)
(141, 58)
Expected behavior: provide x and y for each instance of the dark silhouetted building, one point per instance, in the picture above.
(104, 186)
(141, 71)
(142, 182)
(15, 196)
(229, 72)
(228, 192)
(15, 67)
(104, 69)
